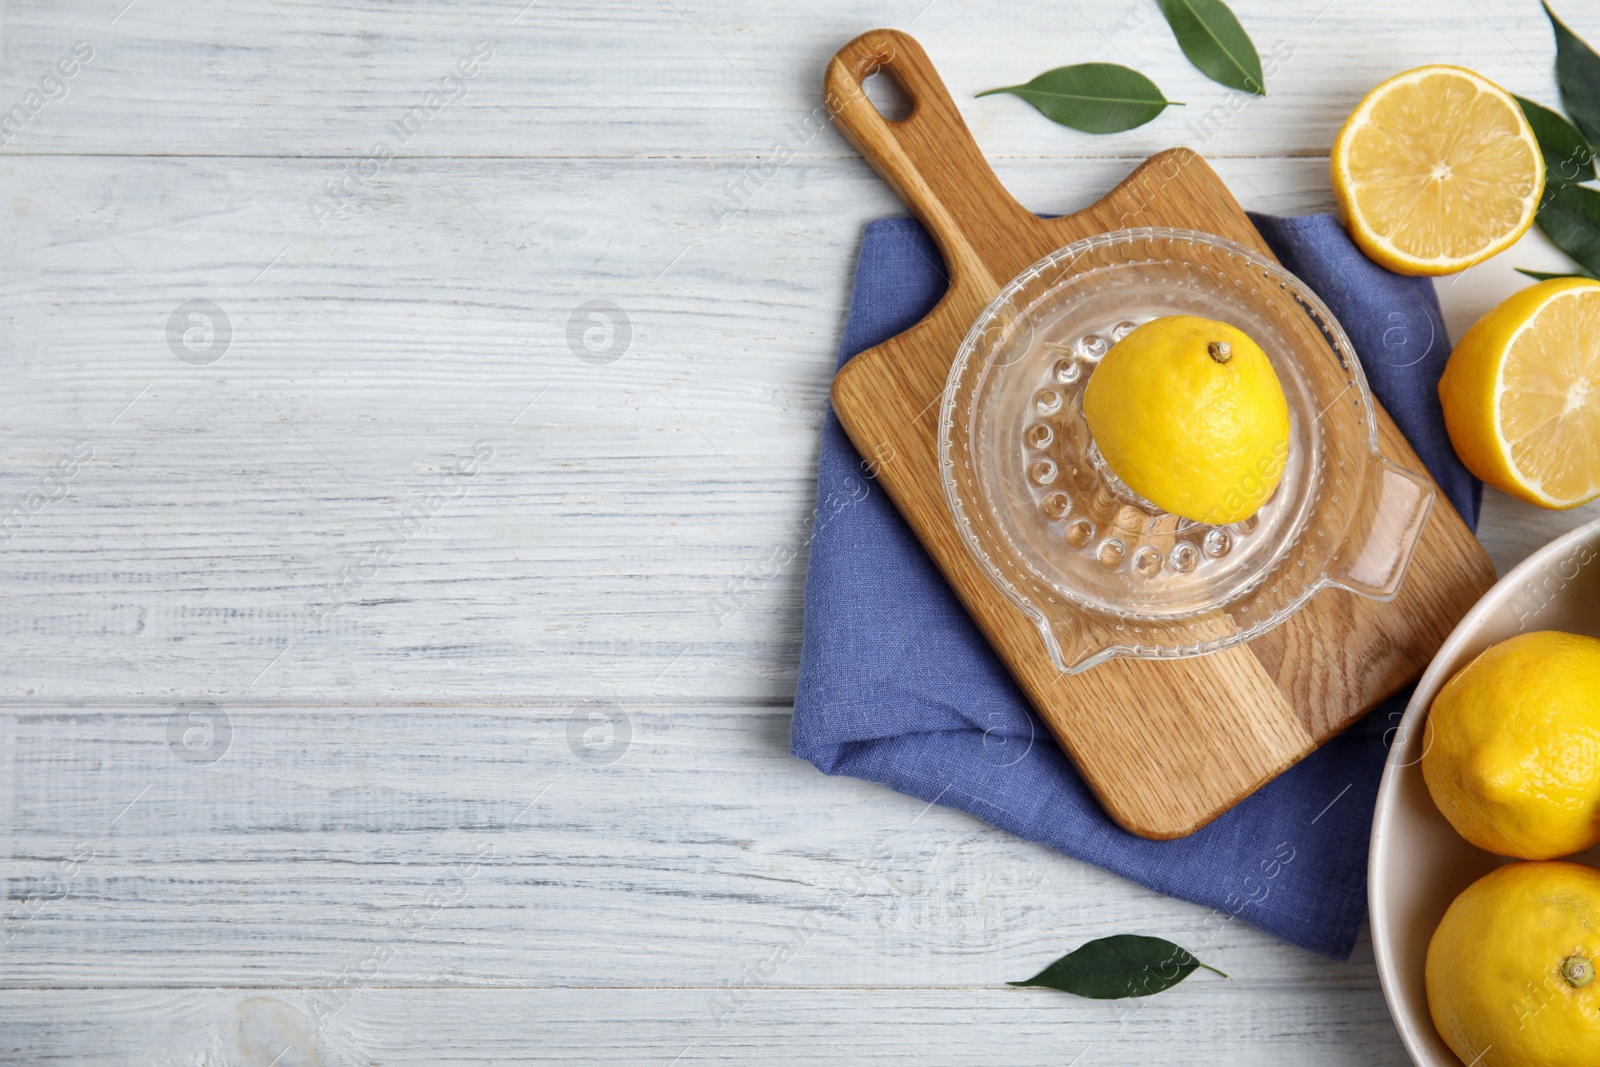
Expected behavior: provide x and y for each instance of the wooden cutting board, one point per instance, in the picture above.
(1166, 745)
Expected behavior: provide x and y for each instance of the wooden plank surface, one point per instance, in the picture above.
(1312, 1026)
(677, 855)
(701, 78)
(637, 538)
(654, 509)
(347, 885)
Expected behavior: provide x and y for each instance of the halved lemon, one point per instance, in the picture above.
(1437, 169)
(1521, 394)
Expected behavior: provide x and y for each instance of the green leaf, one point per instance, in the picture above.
(1212, 38)
(1544, 276)
(1578, 71)
(1570, 216)
(1567, 156)
(1092, 97)
(1124, 965)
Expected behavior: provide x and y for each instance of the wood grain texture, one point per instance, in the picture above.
(1309, 1026)
(703, 78)
(641, 531)
(1166, 745)
(481, 840)
(638, 538)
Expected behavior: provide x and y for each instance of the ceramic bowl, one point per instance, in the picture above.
(1418, 863)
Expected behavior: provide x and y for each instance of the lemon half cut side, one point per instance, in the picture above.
(1437, 169)
(1521, 394)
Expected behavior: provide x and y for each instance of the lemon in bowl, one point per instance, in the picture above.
(1511, 968)
(1190, 414)
(1513, 752)
(1419, 863)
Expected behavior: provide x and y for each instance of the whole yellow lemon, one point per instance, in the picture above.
(1510, 972)
(1190, 414)
(1512, 748)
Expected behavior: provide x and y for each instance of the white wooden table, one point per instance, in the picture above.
(306, 627)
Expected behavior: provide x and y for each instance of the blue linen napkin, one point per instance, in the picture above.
(898, 686)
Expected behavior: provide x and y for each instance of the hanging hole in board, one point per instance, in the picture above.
(887, 94)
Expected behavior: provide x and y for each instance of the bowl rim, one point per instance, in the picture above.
(1432, 680)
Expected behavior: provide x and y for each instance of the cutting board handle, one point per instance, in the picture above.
(929, 157)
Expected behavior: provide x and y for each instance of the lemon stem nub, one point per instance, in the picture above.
(1221, 351)
(1578, 971)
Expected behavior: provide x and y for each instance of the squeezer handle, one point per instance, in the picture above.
(1385, 531)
